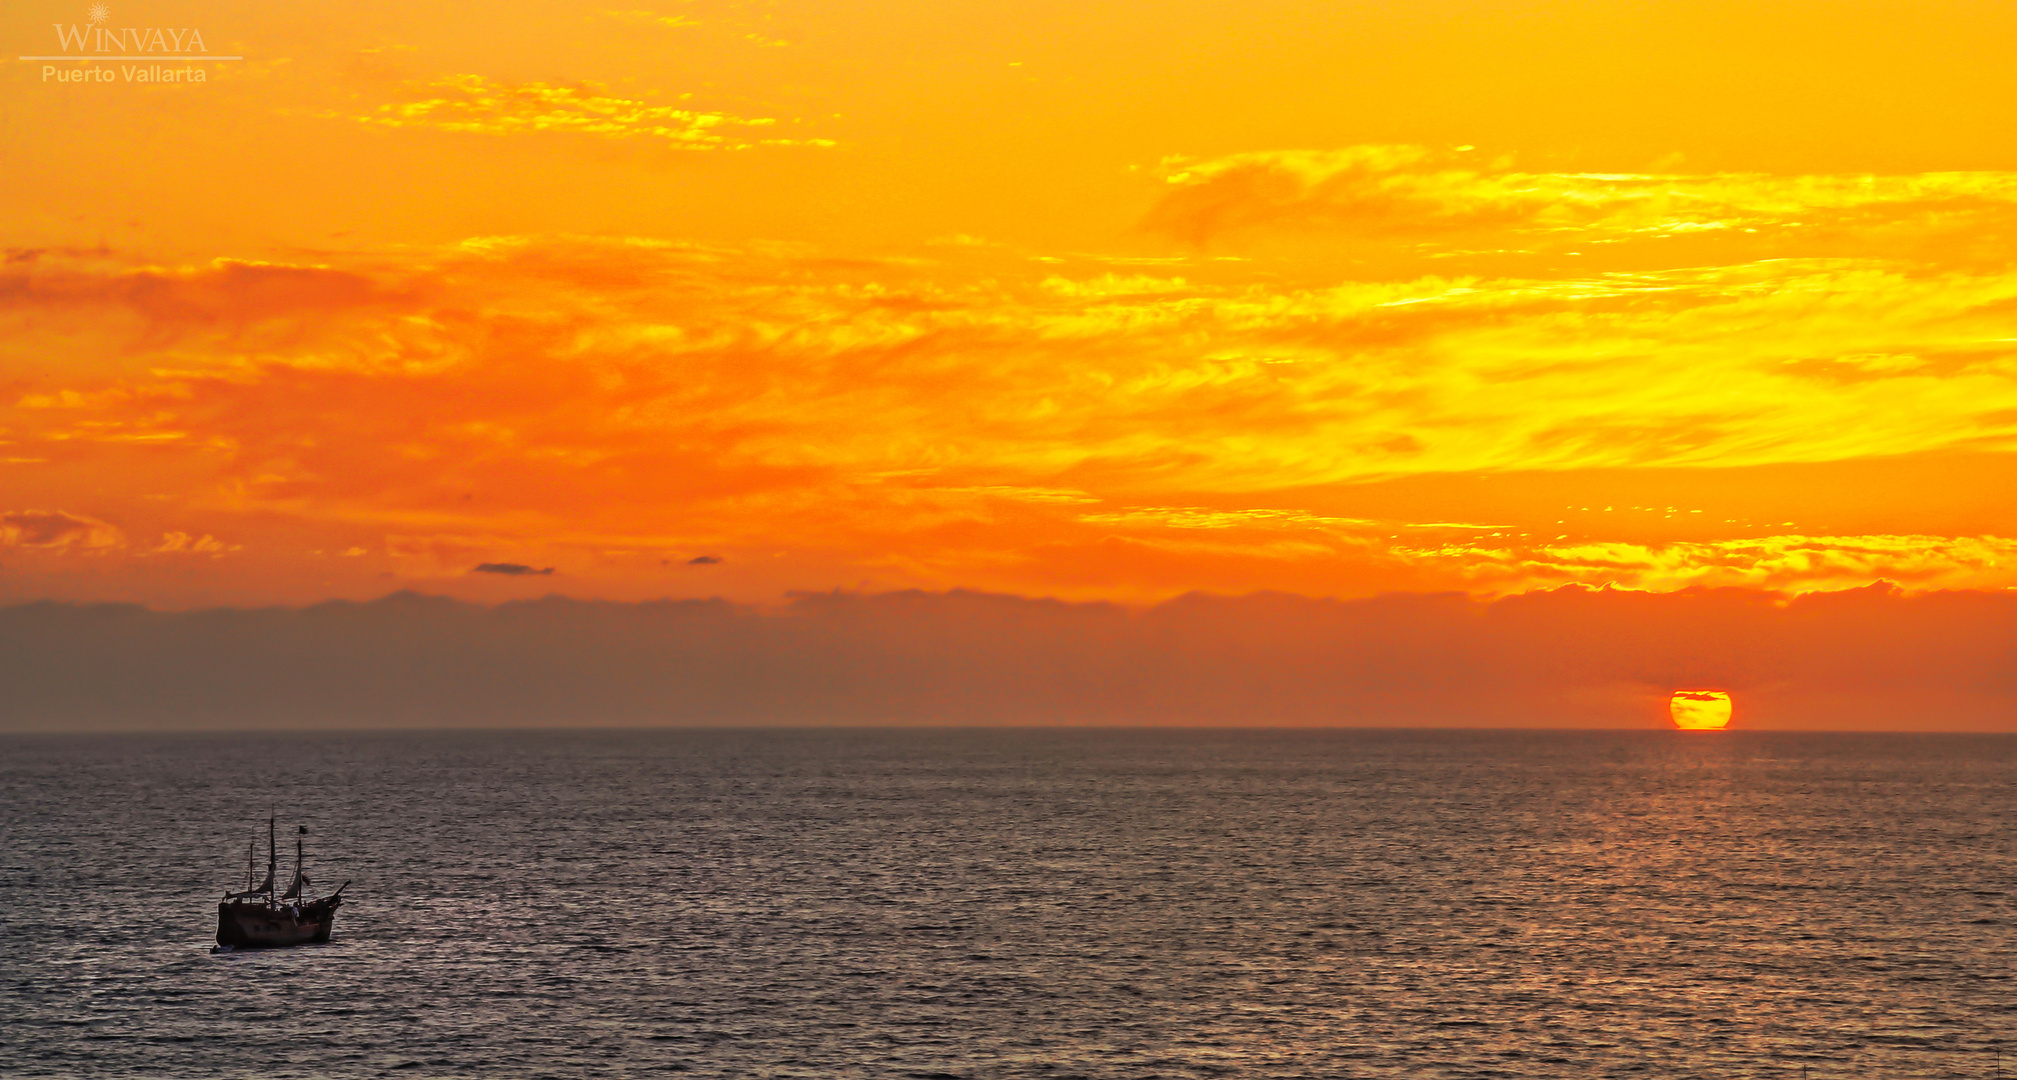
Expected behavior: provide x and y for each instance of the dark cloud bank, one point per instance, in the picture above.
(1869, 658)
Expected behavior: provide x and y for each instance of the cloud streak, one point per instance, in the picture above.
(1420, 193)
(58, 530)
(477, 105)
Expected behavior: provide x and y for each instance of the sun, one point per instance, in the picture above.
(99, 13)
(1700, 710)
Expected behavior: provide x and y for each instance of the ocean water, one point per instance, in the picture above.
(1018, 903)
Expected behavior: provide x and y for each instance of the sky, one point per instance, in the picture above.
(1105, 303)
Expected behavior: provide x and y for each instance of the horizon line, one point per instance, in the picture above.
(941, 727)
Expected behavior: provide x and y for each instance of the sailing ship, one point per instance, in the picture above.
(257, 919)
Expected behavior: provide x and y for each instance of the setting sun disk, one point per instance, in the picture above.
(1700, 710)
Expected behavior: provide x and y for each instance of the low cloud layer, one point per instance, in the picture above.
(1868, 658)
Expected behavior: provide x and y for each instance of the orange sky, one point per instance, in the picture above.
(1111, 301)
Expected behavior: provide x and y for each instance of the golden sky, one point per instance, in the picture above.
(1099, 301)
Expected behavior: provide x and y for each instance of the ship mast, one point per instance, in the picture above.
(272, 859)
(298, 888)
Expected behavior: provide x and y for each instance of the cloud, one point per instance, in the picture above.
(57, 530)
(1419, 193)
(1773, 562)
(475, 104)
(182, 543)
(651, 18)
(704, 560)
(233, 291)
(1201, 517)
(596, 402)
(510, 569)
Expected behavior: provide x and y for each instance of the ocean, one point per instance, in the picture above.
(1019, 903)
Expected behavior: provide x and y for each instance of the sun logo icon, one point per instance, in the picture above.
(99, 13)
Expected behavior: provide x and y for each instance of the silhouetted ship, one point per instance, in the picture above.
(257, 919)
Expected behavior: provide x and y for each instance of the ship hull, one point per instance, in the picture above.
(263, 926)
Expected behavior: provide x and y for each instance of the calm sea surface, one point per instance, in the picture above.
(1021, 904)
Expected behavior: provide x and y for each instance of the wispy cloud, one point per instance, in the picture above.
(182, 543)
(1200, 517)
(642, 17)
(473, 103)
(57, 529)
(1793, 562)
(1469, 199)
